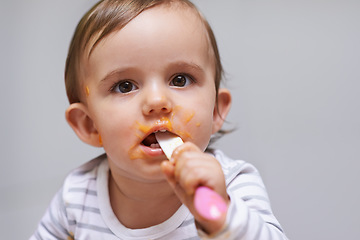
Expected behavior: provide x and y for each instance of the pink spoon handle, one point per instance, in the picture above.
(209, 204)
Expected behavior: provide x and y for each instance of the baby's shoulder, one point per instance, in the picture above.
(83, 178)
(232, 168)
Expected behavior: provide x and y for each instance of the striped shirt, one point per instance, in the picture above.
(82, 210)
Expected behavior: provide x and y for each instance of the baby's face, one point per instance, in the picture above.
(157, 73)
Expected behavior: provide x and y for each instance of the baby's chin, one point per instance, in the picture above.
(140, 171)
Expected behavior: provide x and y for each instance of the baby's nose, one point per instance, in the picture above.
(157, 102)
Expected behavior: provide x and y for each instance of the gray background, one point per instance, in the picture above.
(293, 70)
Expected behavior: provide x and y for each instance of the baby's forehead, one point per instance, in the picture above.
(155, 26)
(114, 25)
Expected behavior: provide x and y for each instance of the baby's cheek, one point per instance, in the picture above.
(188, 116)
(202, 138)
(117, 136)
(196, 127)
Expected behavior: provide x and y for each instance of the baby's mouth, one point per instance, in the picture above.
(150, 140)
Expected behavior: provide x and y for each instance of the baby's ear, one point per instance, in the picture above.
(222, 109)
(77, 116)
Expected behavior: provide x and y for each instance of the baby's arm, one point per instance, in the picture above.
(53, 224)
(249, 215)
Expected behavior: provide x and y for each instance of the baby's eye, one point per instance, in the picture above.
(181, 80)
(124, 87)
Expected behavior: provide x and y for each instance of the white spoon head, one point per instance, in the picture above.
(168, 142)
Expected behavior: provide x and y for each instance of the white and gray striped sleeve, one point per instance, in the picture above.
(54, 223)
(249, 214)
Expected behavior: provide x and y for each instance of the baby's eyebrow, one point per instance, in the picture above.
(115, 73)
(190, 66)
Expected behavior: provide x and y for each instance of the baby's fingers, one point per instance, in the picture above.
(168, 169)
(189, 170)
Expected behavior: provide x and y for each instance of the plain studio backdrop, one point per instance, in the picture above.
(293, 68)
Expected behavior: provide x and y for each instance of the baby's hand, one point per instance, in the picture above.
(190, 168)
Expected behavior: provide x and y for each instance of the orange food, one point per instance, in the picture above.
(87, 91)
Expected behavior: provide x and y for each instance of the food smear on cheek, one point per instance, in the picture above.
(100, 140)
(136, 153)
(87, 91)
(188, 116)
(184, 116)
(142, 128)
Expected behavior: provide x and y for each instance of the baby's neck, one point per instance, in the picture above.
(141, 205)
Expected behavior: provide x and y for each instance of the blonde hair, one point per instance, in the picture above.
(104, 18)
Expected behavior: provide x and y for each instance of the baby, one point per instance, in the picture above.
(134, 68)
